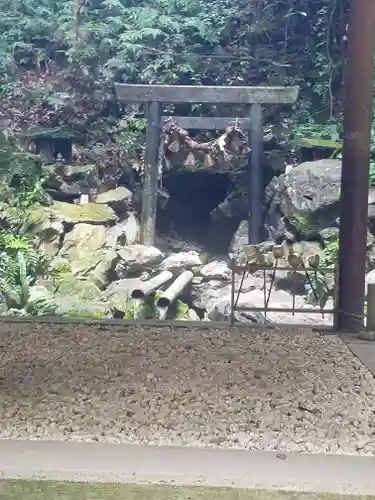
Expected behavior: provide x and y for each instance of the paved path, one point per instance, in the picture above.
(186, 466)
(363, 349)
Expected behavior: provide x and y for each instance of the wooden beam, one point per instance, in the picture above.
(205, 94)
(151, 176)
(207, 122)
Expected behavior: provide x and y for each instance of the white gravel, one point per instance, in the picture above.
(243, 389)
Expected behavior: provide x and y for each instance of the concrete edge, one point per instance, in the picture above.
(142, 464)
(204, 325)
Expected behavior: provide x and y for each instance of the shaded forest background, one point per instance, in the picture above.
(59, 60)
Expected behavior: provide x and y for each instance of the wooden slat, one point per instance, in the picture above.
(207, 122)
(205, 94)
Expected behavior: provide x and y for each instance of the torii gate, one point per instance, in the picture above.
(156, 95)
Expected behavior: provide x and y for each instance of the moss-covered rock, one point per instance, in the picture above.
(119, 199)
(118, 295)
(89, 213)
(84, 248)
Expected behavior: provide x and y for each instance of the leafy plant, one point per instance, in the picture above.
(11, 245)
(316, 285)
(16, 292)
(22, 177)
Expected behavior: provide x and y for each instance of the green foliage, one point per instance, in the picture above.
(317, 286)
(22, 178)
(16, 288)
(302, 224)
(130, 135)
(328, 135)
(13, 245)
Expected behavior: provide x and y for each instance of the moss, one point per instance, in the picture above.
(88, 212)
(180, 310)
(60, 267)
(302, 224)
(61, 132)
(86, 314)
(73, 170)
(36, 220)
(146, 309)
(51, 490)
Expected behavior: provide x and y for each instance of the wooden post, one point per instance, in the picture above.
(151, 175)
(174, 94)
(255, 188)
(355, 164)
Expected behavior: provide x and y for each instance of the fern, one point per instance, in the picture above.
(15, 289)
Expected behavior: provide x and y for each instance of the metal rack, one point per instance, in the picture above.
(281, 258)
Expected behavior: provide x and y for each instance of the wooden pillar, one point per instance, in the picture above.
(255, 188)
(355, 165)
(151, 175)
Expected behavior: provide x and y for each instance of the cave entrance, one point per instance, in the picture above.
(192, 197)
(157, 95)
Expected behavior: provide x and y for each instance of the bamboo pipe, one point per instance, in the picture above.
(151, 285)
(166, 299)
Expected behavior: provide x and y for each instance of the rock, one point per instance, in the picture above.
(37, 219)
(210, 291)
(79, 297)
(220, 311)
(119, 199)
(101, 275)
(83, 248)
(241, 238)
(181, 261)
(124, 233)
(370, 279)
(78, 172)
(193, 316)
(50, 239)
(118, 295)
(68, 285)
(307, 198)
(75, 306)
(137, 258)
(371, 203)
(216, 270)
(329, 235)
(370, 258)
(88, 213)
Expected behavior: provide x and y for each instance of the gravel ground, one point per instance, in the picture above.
(273, 390)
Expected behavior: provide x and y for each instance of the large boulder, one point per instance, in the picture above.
(134, 259)
(306, 200)
(124, 233)
(181, 261)
(216, 270)
(83, 247)
(119, 199)
(118, 295)
(79, 298)
(49, 239)
(87, 213)
(40, 218)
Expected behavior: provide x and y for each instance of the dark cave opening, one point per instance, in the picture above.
(192, 198)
